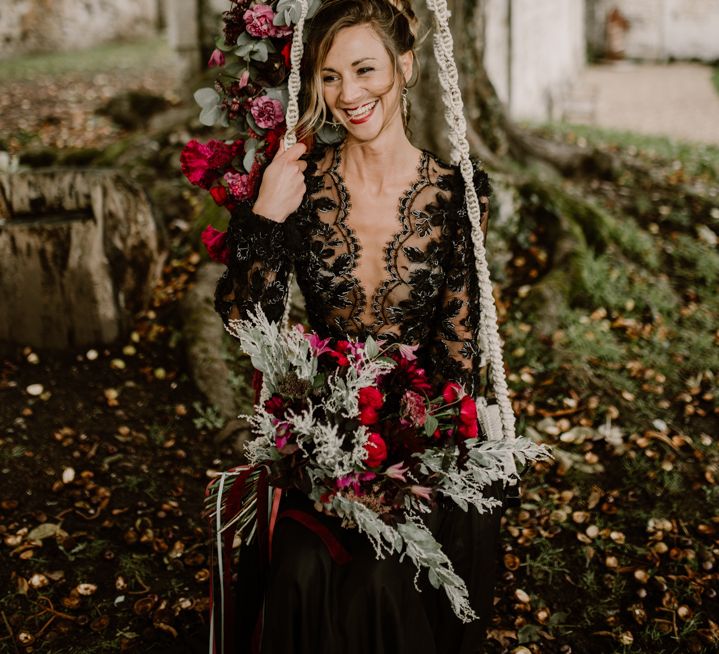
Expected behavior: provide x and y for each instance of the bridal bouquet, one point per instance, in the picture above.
(353, 426)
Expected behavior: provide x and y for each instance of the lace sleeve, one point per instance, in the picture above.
(454, 348)
(258, 268)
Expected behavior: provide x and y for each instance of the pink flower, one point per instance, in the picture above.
(412, 409)
(240, 185)
(421, 491)
(397, 471)
(318, 345)
(408, 351)
(376, 450)
(354, 480)
(258, 22)
(267, 112)
(216, 59)
(215, 243)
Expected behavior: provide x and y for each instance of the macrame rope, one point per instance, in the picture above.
(454, 115)
(291, 117)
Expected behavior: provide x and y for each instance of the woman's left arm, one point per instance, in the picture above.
(454, 349)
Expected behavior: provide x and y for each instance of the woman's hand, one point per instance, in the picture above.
(283, 184)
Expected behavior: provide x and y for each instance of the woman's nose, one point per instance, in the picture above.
(350, 92)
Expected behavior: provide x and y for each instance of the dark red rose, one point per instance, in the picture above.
(275, 405)
(468, 426)
(204, 163)
(407, 374)
(376, 451)
(215, 243)
(451, 392)
(338, 353)
(272, 142)
(285, 52)
(370, 402)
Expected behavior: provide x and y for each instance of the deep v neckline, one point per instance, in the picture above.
(389, 250)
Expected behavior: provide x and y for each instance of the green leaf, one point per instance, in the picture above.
(431, 423)
(255, 127)
(371, 348)
(207, 97)
(220, 44)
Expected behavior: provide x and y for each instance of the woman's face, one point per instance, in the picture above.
(357, 82)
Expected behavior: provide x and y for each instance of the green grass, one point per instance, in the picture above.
(133, 55)
(715, 76)
(697, 159)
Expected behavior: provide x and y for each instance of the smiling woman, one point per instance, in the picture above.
(381, 238)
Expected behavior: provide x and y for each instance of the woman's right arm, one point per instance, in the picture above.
(259, 262)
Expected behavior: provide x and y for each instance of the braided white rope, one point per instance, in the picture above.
(454, 112)
(291, 117)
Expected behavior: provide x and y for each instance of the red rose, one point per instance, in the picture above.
(286, 52)
(376, 451)
(339, 353)
(275, 405)
(468, 426)
(215, 243)
(272, 142)
(370, 402)
(219, 195)
(451, 392)
(204, 163)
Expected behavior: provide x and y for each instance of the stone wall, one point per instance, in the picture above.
(59, 25)
(663, 29)
(534, 52)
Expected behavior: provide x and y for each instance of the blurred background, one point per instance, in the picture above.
(598, 121)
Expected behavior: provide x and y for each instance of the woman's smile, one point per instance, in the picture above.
(362, 113)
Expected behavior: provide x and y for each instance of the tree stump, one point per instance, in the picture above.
(81, 251)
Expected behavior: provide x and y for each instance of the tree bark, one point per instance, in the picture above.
(86, 252)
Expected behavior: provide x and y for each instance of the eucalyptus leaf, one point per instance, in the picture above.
(430, 424)
(259, 52)
(279, 93)
(221, 44)
(210, 115)
(207, 97)
(371, 348)
(249, 159)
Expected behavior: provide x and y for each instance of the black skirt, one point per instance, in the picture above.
(311, 600)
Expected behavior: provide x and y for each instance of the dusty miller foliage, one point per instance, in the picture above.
(278, 354)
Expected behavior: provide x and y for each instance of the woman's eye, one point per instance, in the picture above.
(328, 78)
(365, 69)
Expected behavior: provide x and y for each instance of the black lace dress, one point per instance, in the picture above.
(325, 592)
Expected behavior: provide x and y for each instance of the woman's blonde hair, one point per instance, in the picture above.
(394, 21)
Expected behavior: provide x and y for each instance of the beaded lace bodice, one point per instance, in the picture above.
(427, 294)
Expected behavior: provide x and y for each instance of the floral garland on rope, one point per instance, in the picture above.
(250, 95)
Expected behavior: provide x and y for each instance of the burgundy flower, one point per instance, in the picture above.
(376, 450)
(216, 59)
(204, 163)
(412, 410)
(468, 426)
(219, 195)
(286, 53)
(275, 405)
(273, 139)
(407, 374)
(215, 243)
(240, 185)
(370, 402)
(267, 112)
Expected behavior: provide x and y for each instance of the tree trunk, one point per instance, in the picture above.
(86, 252)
